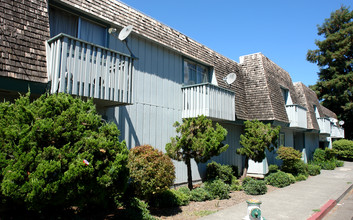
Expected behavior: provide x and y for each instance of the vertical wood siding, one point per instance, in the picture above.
(157, 104)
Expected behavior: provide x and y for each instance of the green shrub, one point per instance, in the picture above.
(200, 194)
(185, 190)
(279, 179)
(327, 165)
(321, 155)
(218, 189)
(273, 168)
(170, 198)
(300, 168)
(151, 171)
(57, 152)
(290, 157)
(301, 177)
(343, 149)
(245, 181)
(236, 186)
(291, 178)
(215, 170)
(339, 163)
(255, 187)
(235, 170)
(313, 169)
(138, 209)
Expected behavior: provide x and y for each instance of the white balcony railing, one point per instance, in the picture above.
(325, 125)
(336, 132)
(84, 69)
(297, 116)
(209, 100)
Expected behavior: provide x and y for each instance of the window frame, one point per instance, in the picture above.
(81, 16)
(197, 64)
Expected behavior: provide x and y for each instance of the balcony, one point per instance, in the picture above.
(84, 69)
(209, 100)
(325, 125)
(297, 116)
(337, 132)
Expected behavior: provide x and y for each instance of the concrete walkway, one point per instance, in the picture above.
(300, 200)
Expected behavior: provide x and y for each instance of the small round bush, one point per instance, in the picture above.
(279, 179)
(170, 198)
(215, 170)
(185, 190)
(200, 194)
(236, 186)
(291, 178)
(218, 189)
(321, 155)
(328, 165)
(151, 171)
(300, 177)
(137, 209)
(339, 163)
(300, 168)
(290, 157)
(255, 187)
(273, 168)
(313, 170)
(245, 181)
(343, 149)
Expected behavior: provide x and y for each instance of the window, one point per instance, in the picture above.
(76, 26)
(285, 93)
(316, 111)
(195, 73)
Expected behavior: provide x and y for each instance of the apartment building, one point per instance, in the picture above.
(156, 76)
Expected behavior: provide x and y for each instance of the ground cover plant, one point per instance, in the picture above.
(56, 152)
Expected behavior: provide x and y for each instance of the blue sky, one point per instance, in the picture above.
(283, 30)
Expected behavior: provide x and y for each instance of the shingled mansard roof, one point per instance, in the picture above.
(264, 81)
(307, 98)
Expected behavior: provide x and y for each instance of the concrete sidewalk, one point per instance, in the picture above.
(297, 201)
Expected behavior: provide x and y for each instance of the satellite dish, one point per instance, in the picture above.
(125, 32)
(230, 78)
(111, 30)
(341, 123)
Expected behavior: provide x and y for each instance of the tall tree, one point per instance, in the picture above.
(198, 139)
(334, 57)
(257, 138)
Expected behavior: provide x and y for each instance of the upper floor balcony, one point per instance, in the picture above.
(209, 100)
(297, 116)
(325, 125)
(336, 132)
(84, 69)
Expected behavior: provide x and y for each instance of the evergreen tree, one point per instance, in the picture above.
(334, 57)
(56, 152)
(257, 138)
(197, 140)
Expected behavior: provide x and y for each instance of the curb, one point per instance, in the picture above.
(326, 208)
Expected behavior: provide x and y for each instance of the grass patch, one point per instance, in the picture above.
(316, 210)
(349, 182)
(203, 213)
